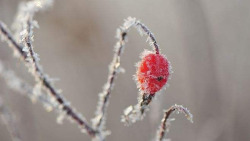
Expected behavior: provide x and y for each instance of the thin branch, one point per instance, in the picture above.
(165, 122)
(27, 10)
(46, 84)
(43, 79)
(114, 69)
(7, 36)
(9, 120)
(146, 31)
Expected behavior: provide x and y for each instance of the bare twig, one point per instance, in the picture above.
(165, 122)
(114, 69)
(9, 120)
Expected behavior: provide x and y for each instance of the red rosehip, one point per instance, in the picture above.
(153, 72)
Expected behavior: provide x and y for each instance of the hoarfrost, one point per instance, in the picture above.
(60, 118)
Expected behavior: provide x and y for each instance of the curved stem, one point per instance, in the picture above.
(99, 120)
(151, 36)
(165, 123)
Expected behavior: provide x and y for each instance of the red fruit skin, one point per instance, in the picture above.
(152, 73)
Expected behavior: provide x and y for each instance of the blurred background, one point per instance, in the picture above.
(206, 41)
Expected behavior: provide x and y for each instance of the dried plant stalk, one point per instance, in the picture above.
(165, 122)
(114, 69)
(9, 120)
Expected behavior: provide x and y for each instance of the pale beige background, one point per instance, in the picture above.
(206, 41)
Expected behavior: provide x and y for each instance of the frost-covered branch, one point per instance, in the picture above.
(26, 53)
(66, 109)
(114, 69)
(9, 120)
(165, 122)
(6, 36)
(26, 11)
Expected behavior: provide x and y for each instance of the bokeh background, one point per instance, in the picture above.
(206, 41)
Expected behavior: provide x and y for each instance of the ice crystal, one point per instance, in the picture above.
(60, 118)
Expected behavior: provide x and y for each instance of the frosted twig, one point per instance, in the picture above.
(18, 85)
(27, 10)
(165, 122)
(7, 36)
(45, 81)
(114, 69)
(9, 120)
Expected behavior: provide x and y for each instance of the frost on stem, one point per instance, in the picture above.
(165, 122)
(43, 80)
(26, 11)
(134, 113)
(114, 69)
(9, 120)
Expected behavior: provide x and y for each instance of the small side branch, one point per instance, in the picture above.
(9, 120)
(165, 122)
(18, 85)
(114, 69)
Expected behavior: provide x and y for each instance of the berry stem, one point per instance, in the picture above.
(146, 99)
(114, 69)
(134, 113)
(151, 36)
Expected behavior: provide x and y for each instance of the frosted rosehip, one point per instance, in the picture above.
(152, 73)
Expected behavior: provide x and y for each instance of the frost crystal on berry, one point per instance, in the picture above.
(153, 72)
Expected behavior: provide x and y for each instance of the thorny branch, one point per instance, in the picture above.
(165, 122)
